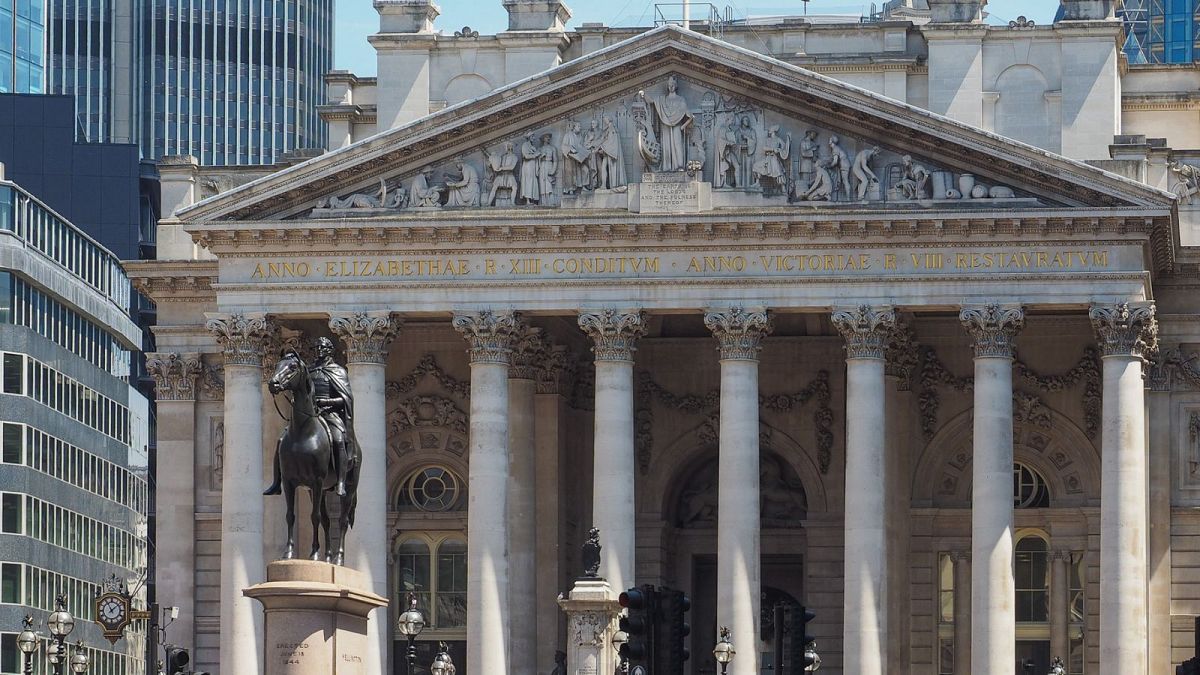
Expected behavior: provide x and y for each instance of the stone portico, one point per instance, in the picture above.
(807, 364)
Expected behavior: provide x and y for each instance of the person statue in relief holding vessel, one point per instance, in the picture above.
(424, 194)
(674, 119)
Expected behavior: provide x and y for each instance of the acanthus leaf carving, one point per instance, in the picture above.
(174, 375)
(1125, 328)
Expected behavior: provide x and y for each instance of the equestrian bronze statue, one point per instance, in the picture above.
(317, 449)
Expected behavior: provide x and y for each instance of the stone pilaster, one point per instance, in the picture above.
(993, 588)
(962, 611)
(614, 336)
(739, 333)
(243, 339)
(367, 336)
(490, 337)
(1060, 590)
(1126, 332)
(867, 331)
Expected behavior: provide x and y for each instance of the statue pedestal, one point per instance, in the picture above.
(670, 192)
(316, 618)
(591, 611)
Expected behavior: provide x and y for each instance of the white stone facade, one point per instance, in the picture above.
(580, 320)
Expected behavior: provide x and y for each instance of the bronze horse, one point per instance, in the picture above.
(305, 459)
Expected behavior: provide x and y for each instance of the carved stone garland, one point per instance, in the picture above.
(428, 366)
(650, 392)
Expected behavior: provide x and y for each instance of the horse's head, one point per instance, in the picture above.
(288, 372)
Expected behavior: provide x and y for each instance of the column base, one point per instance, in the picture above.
(591, 613)
(316, 618)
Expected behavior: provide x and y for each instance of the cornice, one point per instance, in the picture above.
(352, 112)
(1156, 101)
(798, 92)
(174, 280)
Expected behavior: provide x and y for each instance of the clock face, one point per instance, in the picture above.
(112, 610)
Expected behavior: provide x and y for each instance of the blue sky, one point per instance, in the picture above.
(356, 19)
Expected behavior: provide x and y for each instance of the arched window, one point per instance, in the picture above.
(1029, 488)
(431, 489)
(437, 575)
(1031, 562)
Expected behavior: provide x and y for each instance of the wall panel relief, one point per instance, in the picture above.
(634, 151)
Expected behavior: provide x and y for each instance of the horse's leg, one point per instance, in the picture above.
(344, 526)
(318, 501)
(328, 534)
(289, 496)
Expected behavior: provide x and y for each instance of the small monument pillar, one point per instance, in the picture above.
(591, 610)
(316, 618)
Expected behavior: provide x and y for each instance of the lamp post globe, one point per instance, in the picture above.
(27, 642)
(724, 651)
(61, 623)
(410, 624)
(80, 660)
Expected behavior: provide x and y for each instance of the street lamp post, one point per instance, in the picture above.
(619, 639)
(60, 624)
(410, 624)
(724, 651)
(442, 663)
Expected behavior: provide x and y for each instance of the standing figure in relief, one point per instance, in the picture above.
(576, 175)
(610, 161)
(674, 118)
(424, 195)
(915, 183)
(548, 172)
(531, 156)
(591, 144)
(839, 162)
(863, 173)
(464, 191)
(729, 167)
(747, 139)
(773, 165)
(503, 168)
(822, 185)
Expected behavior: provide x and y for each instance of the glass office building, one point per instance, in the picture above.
(73, 432)
(1161, 31)
(22, 46)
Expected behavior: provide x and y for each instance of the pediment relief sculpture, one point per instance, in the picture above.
(677, 131)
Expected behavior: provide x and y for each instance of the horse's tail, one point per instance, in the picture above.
(353, 508)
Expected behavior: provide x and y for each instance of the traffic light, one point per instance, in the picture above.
(177, 660)
(799, 657)
(673, 651)
(640, 605)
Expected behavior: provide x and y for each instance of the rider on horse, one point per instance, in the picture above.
(331, 386)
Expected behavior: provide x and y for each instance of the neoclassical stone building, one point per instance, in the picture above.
(778, 337)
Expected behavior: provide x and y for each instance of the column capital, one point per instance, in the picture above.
(1060, 554)
(528, 355)
(243, 337)
(490, 335)
(739, 331)
(174, 375)
(960, 556)
(993, 326)
(866, 329)
(366, 334)
(1125, 329)
(557, 371)
(614, 332)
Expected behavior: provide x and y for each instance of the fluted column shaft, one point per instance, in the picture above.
(1126, 332)
(962, 612)
(614, 334)
(242, 563)
(529, 351)
(367, 335)
(1060, 589)
(866, 330)
(993, 588)
(490, 336)
(739, 333)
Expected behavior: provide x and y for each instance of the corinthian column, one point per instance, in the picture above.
(242, 338)
(529, 353)
(866, 330)
(993, 588)
(614, 334)
(490, 336)
(367, 335)
(1126, 332)
(739, 336)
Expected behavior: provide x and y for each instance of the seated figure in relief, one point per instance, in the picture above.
(915, 183)
(822, 185)
(463, 191)
(425, 195)
(503, 169)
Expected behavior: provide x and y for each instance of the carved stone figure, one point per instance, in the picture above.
(729, 169)
(592, 143)
(531, 156)
(863, 173)
(464, 190)
(610, 162)
(915, 183)
(395, 198)
(674, 120)
(590, 554)
(809, 153)
(747, 147)
(503, 170)
(1189, 180)
(822, 185)
(839, 166)
(576, 174)
(425, 195)
(773, 165)
(548, 172)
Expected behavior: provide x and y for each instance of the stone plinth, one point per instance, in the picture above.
(670, 192)
(591, 613)
(316, 618)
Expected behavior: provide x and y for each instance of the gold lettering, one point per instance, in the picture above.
(1099, 258)
(489, 266)
(889, 261)
(258, 271)
(694, 265)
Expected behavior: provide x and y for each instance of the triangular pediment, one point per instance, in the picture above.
(710, 125)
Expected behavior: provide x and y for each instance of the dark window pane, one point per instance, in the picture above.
(10, 583)
(12, 444)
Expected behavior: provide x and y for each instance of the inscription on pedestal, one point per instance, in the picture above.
(662, 197)
(291, 653)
